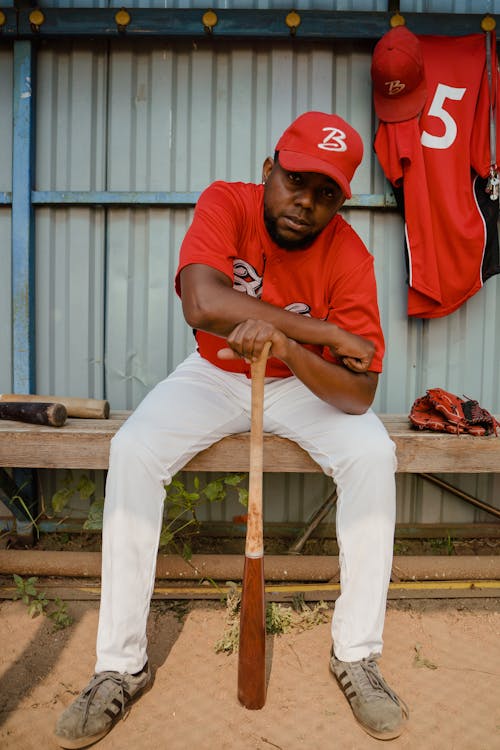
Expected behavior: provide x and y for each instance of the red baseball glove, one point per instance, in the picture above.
(442, 411)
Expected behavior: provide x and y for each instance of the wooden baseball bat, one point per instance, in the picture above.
(252, 644)
(86, 408)
(50, 414)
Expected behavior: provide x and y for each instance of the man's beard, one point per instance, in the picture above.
(287, 244)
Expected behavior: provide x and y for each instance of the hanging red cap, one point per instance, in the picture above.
(397, 70)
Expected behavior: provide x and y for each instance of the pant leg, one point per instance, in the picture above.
(358, 453)
(194, 407)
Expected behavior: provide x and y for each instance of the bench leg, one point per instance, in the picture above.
(320, 514)
(25, 512)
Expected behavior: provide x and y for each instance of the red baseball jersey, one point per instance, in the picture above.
(438, 165)
(333, 279)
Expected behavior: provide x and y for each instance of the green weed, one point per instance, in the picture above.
(38, 604)
(445, 544)
(279, 619)
(181, 506)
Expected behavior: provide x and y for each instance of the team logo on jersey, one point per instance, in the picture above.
(248, 281)
(395, 87)
(246, 278)
(301, 308)
(334, 141)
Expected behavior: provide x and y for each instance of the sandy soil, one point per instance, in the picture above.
(443, 660)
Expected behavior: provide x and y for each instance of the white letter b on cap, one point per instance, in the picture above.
(334, 141)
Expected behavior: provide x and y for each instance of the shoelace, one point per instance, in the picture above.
(368, 669)
(94, 685)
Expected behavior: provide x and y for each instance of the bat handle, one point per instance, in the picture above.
(254, 543)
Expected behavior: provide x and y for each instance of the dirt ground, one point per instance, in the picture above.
(442, 657)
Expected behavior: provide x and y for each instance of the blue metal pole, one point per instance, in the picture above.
(23, 234)
(23, 252)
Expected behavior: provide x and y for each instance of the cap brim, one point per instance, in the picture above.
(296, 162)
(393, 109)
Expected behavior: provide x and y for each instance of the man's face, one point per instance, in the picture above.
(298, 205)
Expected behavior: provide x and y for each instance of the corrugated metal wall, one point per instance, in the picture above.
(172, 117)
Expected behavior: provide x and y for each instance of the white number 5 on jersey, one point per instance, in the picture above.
(437, 109)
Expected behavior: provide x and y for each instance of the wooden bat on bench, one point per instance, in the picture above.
(252, 645)
(84, 408)
(50, 414)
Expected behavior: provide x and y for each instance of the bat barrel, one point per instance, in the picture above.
(49, 414)
(252, 645)
(84, 408)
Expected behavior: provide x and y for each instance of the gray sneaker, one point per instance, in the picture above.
(376, 707)
(93, 713)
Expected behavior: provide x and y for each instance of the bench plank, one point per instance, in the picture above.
(84, 444)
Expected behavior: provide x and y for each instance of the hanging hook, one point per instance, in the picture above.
(397, 20)
(488, 23)
(122, 19)
(36, 19)
(293, 21)
(209, 20)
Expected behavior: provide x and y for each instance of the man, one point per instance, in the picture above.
(272, 262)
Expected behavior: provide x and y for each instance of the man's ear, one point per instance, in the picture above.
(267, 168)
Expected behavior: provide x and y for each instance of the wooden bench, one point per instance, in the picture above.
(84, 444)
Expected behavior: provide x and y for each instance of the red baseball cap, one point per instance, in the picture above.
(324, 143)
(399, 89)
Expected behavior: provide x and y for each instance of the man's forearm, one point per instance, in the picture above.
(351, 392)
(219, 310)
(211, 304)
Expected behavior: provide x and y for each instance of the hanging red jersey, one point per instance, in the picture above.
(438, 164)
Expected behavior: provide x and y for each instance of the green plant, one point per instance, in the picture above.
(25, 589)
(181, 506)
(60, 615)
(93, 522)
(279, 619)
(81, 485)
(38, 604)
(446, 544)
(20, 501)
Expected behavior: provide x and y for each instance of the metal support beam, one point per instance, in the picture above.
(128, 199)
(23, 248)
(23, 239)
(197, 23)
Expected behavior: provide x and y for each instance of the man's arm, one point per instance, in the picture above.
(211, 304)
(352, 392)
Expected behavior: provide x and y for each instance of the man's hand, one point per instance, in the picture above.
(354, 351)
(247, 340)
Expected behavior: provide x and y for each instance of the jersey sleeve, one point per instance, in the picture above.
(212, 238)
(354, 305)
(486, 108)
(387, 148)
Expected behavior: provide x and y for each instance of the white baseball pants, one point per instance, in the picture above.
(195, 406)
